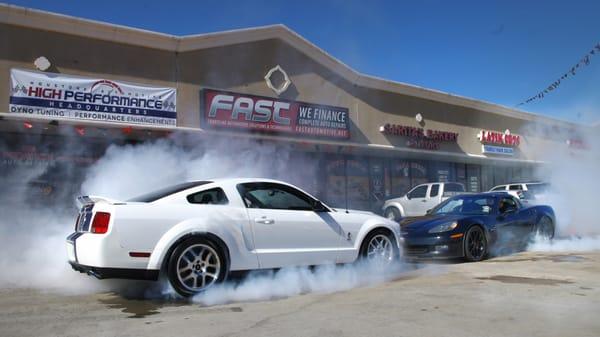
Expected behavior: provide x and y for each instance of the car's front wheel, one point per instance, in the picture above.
(195, 265)
(379, 247)
(475, 244)
(392, 213)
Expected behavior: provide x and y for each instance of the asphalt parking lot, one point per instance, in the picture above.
(527, 294)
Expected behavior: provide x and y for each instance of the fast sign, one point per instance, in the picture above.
(222, 109)
(74, 97)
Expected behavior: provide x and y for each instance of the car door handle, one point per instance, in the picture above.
(264, 221)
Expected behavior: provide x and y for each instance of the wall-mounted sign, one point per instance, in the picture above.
(499, 138)
(503, 150)
(419, 137)
(74, 97)
(224, 109)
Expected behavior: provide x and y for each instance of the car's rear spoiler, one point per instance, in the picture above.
(91, 199)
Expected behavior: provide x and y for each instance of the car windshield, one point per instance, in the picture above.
(466, 204)
(163, 192)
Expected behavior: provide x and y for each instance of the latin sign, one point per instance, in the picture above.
(499, 138)
(419, 137)
(222, 109)
(59, 96)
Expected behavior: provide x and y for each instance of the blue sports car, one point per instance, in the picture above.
(471, 226)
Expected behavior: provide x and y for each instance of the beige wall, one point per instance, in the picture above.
(241, 68)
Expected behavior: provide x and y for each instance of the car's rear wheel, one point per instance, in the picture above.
(195, 265)
(545, 228)
(475, 244)
(379, 247)
(392, 213)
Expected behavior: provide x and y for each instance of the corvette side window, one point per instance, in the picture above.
(214, 196)
(274, 196)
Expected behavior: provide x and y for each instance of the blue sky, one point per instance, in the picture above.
(497, 51)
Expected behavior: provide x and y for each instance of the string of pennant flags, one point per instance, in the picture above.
(585, 61)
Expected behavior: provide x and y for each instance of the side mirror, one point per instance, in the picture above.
(319, 207)
(408, 196)
(428, 211)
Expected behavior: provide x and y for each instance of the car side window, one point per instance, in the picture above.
(515, 187)
(214, 196)
(435, 190)
(507, 203)
(274, 196)
(418, 192)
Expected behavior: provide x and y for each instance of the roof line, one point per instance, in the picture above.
(38, 19)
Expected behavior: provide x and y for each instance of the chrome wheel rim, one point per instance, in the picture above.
(380, 249)
(198, 267)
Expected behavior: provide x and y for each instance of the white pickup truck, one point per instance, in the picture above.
(420, 199)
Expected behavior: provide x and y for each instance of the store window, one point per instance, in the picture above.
(400, 177)
(418, 172)
(377, 182)
(358, 183)
(473, 178)
(335, 182)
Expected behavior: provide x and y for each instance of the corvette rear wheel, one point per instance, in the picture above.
(195, 265)
(475, 244)
(379, 247)
(545, 228)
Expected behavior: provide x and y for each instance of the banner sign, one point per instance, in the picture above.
(224, 109)
(418, 137)
(73, 97)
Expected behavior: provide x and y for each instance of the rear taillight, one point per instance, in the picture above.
(100, 223)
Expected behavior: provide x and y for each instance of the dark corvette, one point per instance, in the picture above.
(473, 225)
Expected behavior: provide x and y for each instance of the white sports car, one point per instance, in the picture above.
(199, 232)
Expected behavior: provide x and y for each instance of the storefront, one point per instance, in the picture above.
(367, 139)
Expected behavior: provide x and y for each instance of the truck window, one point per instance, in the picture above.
(435, 190)
(418, 192)
(452, 189)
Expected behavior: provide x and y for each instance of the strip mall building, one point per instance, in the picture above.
(68, 77)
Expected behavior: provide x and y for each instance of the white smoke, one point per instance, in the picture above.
(33, 238)
(288, 282)
(572, 172)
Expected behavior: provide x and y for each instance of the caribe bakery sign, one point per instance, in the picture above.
(419, 137)
(224, 109)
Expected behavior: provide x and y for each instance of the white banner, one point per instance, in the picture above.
(74, 97)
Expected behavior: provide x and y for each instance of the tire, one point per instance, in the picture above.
(379, 246)
(475, 244)
(545, 228)
(195, 265)
(392, 213)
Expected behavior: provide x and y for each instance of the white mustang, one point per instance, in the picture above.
(199, 232)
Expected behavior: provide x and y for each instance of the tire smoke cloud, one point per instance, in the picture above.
(572, 171)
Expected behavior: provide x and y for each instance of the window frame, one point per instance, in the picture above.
(226, 200)
(243, 189)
